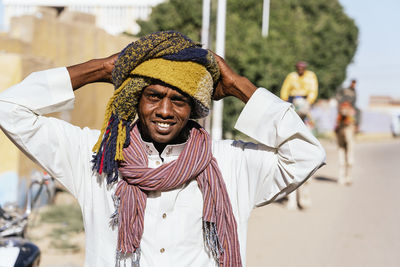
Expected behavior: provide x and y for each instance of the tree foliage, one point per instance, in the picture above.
(316, 31)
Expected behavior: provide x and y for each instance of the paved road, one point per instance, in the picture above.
(357, 226)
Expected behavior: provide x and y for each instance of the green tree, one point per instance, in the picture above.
(316, 31)
(184, 16)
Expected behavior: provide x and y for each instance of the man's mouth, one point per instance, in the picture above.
(164, 125)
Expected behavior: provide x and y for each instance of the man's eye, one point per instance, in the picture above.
(153, 96)
(179, 101)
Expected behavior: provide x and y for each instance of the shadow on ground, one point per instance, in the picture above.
(325, 179)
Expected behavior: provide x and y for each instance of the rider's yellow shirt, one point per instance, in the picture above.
(305, 85)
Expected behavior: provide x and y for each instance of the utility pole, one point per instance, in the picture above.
(205, 26)
(220, 50)
(265, 18)
(205, 40)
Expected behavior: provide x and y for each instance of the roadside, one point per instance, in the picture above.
(347, 226)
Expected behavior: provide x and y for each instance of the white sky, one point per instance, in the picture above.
(376, 65)
(377, 62)
(1, 15)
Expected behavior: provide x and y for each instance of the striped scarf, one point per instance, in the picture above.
(194, 162)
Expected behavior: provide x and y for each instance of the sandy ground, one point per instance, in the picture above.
(353, 226)
(40, 234)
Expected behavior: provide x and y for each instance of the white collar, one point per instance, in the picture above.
(169, 150)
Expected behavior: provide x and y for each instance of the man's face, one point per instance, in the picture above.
(300, 69)
(163, 114)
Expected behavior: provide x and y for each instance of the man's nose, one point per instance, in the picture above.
(165, 109)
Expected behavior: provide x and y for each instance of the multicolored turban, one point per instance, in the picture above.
(168, 57)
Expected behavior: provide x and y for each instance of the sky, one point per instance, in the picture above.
(1, 15)
(376, 65)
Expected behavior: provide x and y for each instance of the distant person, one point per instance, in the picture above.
(349, 94)
(301, 89)
(347, 125)
(300, 85)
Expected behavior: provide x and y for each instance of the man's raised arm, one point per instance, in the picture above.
(95, 70)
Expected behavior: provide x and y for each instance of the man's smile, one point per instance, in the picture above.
(164, 124)
(164, 127)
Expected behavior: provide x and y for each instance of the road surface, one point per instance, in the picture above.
(347, 226)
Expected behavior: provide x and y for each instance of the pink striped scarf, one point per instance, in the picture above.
(194, 162)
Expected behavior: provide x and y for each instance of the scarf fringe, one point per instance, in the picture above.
(121, 256)
(134, 257)
(114, 218)
(212, 241)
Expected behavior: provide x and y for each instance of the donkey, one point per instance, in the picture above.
(345, 132)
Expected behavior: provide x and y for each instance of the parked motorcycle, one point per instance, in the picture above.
(15, 249)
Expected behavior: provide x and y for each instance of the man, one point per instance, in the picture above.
(175, 198)
(302, 83)
(301, 89)
(349, 94)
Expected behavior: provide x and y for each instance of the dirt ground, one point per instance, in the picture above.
(63, 249)
(347, 226)
(355, 225)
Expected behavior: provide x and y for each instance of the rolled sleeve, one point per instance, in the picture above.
(297, 154)
(261, 116)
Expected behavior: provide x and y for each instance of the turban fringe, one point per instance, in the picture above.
(137, 67)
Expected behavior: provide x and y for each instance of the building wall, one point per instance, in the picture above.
(114, 16)
(51, 41)
(11, 160)
(10, 66)
(384, 104)
(373, 120)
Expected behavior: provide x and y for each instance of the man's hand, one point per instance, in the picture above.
(95, 70)
(108, 66)
(232, 84)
